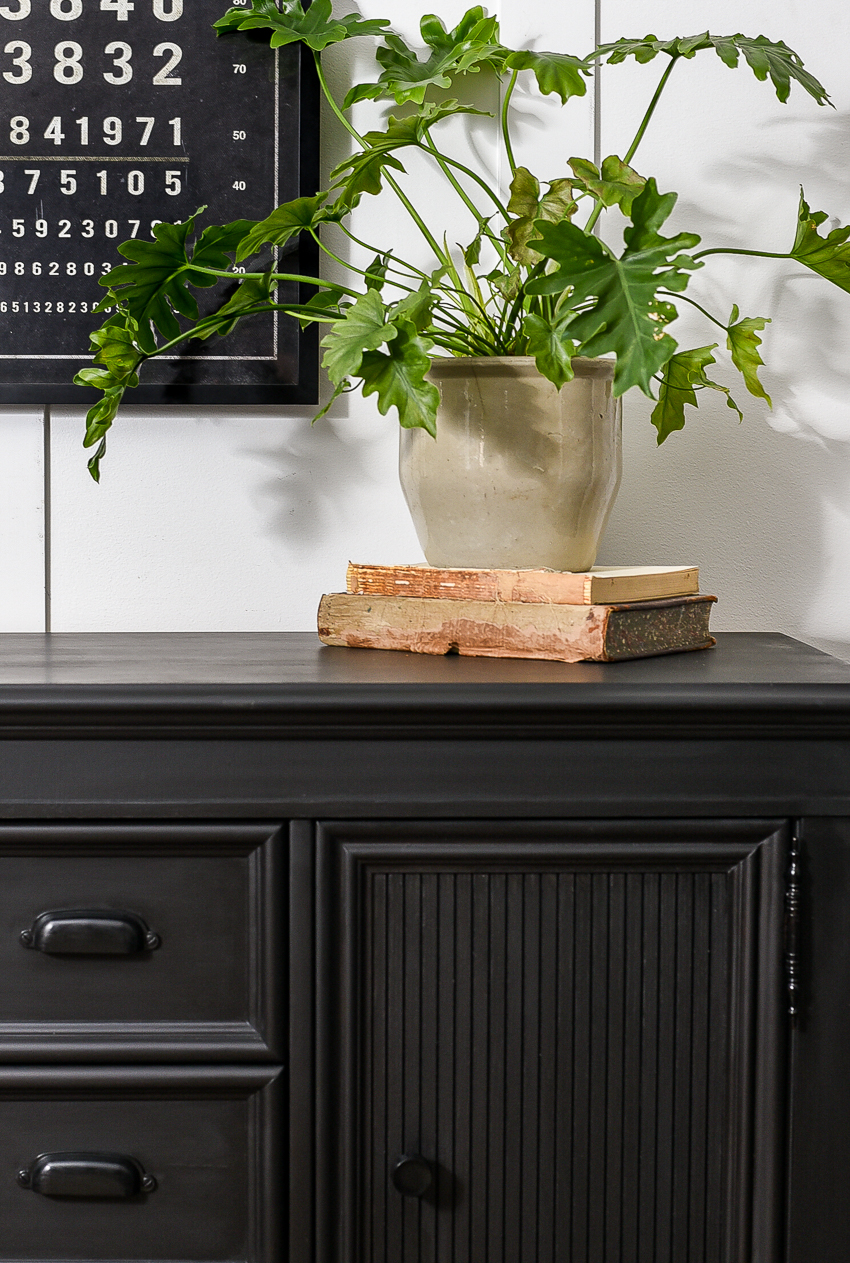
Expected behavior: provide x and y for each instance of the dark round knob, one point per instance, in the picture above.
(412, 1176)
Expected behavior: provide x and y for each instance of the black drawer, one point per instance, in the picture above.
(140, 941)
(204, 1140)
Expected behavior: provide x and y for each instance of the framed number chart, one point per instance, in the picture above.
(118, 114)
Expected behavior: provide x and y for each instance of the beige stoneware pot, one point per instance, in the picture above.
(521, 475)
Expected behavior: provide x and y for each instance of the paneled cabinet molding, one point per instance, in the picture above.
(578, 1029)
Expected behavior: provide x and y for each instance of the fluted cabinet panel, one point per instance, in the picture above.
(564, 1031)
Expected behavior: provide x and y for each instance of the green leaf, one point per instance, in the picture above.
(508, 284)
(366, 170)
(764, 57)
(625, 316)
(525, 202)
(117, 349)
(286, 222)
(743, 341)
(525, 193)
(555, 72)
(550, 346)
(683, 372)
(363, 328)
(340, 389)
(376, 272)
(617, 184)
(397, 376)
(154, 286)
(316, 28)
(828, 256)
(415, 308)
(472, 43)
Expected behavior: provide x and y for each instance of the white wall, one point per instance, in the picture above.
(226, 520)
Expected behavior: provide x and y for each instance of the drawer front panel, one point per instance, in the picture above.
(152, 941)
(205, 1141)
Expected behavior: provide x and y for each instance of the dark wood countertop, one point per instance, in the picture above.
(260, 684)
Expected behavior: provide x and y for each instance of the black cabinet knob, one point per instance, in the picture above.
(412, 1175)
(89, 932)
(86, 1175)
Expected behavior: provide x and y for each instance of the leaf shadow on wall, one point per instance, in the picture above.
(314, 473)
(764, 508)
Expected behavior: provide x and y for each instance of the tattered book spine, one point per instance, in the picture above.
(487, 629)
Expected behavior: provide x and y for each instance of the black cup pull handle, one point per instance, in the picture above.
(86, 1175)
(412, 1175)
(89, 932)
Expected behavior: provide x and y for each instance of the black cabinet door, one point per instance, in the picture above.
(570, 1032)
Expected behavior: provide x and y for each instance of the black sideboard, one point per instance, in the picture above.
(316, 955)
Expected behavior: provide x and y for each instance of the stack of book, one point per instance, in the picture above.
(603, 615)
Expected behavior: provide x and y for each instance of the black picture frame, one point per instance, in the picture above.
(292, 378)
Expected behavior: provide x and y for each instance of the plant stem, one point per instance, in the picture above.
(506, 135)
(332, 103)
(667, 294)
(275, 276)
(350, 266)
(358, 241)
(415, 216)
(405, 201)
(759, 254)
(651, 110)
(473, 175)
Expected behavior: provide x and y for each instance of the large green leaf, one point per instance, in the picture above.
(316, 28)
(287, 221)
(828, 256)
(472, 43)
(552, 348)
(527, 204)
(617, 184)
(625, 314)
(764, 57)
(364, 327)
(743, 341)
(555, 72)
(155, 285)
(682, 373)
(397, 376)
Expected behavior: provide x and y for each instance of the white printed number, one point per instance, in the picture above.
(15, 15)
(120, 8)
(68, 68)
(122, 71)
(22, 61)
(66, 10)
(19, 130)
(168, 10)
(164, 78)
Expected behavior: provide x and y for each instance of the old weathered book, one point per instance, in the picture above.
(516, 629)
(602, 585)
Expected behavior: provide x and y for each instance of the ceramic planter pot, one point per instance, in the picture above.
(521, 475)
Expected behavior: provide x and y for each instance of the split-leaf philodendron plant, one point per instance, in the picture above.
(533, 279)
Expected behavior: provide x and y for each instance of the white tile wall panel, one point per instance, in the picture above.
(220, 522)
(22, 520)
